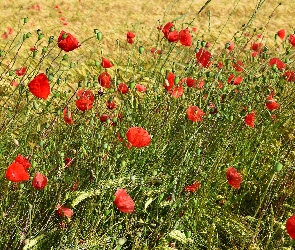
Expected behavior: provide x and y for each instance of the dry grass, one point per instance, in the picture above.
(114, 18)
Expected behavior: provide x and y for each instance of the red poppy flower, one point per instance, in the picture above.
(170, 32)
(39, 181)
(111, 105)
(10, 30)
(290, 226)
(278, 62)
(120, 138)
(68, 162)
(233, 177)
(203, 57)
(123, 201)
(292, 39)
(123, 88)
(185, 38)
(235, 80)
(140, 88)
(194, 29)
(85, 101)
(84, 104)
(106, 63)
(21, 71)
(238, 66)
(192, 188)
(257, 47)
(104, 80)
(39, 86)
(130, 36)
(103, 118)
(230, 45)
(75, 186)
(190, 82)
(255, 53)
(271, 103)
(23, 161)
(213, 108)
(63, 211)
(281, 34)
(167, 28)
(290, 75)
(14, 84)
(250, 119)
(169, 83)
(138, 137)
(177, 91)
(219, 65)
(195, 114)
(16, 172)
(5, 36)
(201, 84)
(238, 80)
(230, 78)
(68, 116)
(69, 43)
(153, 51)
(33, 49)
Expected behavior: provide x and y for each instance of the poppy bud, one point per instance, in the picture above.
(44, 50)
(26, 20)
(99, 35)
(203, 43)
(197, 49)
(28, 35)
(275, 68)
(199, 43)
(1, 53)
(188, 234)
(132, 85)
(34, 53)
(40, 36)
(288, 51)
(176, 80)
(140, 49)
(65, 57)
(278, 167)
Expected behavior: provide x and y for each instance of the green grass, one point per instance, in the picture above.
(216, 216)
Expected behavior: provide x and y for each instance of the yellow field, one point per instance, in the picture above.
(115, 18)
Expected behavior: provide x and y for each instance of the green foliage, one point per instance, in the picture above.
(182, 152)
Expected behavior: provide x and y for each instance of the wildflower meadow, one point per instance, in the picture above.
(171, 132)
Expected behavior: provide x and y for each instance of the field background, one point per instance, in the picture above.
(114, 18)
